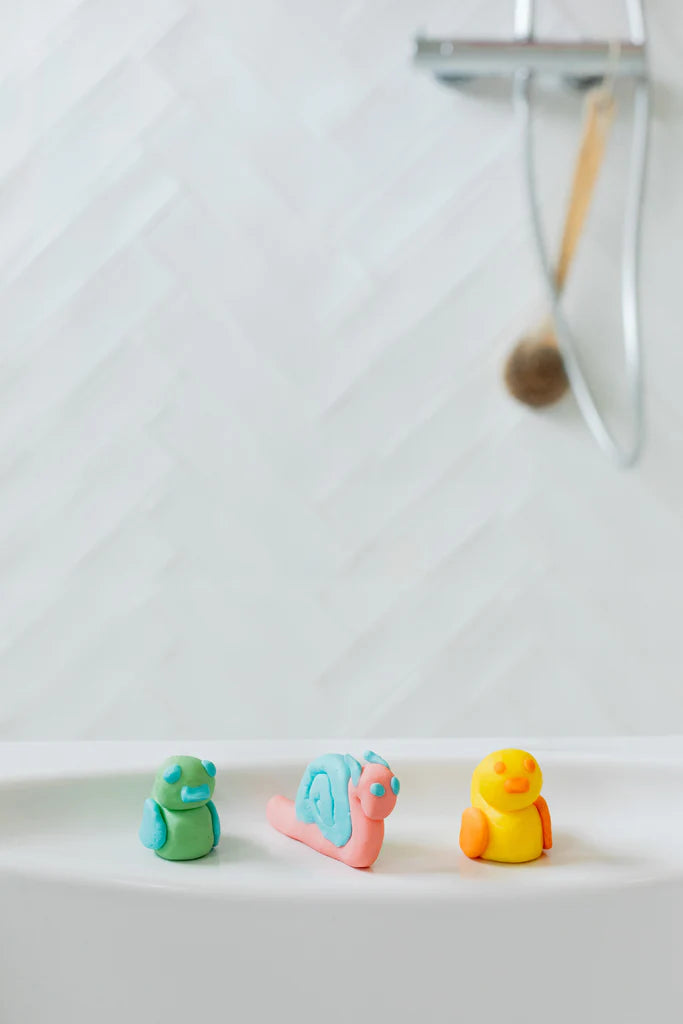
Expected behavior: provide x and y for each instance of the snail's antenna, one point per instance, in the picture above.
(354, 767)
(372, 758)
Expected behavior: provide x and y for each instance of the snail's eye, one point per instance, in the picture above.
(173, 773)
(377, 789)
(209, 768)
(499, 767)
(395, 786)
(530, 764)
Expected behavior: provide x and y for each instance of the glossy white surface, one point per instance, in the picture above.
(95, 927)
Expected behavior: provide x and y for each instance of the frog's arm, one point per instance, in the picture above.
(542, 808)
(215, 821)
(153, 831)
(474, 832)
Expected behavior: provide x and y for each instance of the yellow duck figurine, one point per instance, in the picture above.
(509, 820)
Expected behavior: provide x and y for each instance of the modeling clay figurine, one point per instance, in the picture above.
(179, 821)
(340, 807)
(509, 820)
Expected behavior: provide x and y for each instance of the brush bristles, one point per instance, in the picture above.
(535, 374)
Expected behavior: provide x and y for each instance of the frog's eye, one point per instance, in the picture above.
(209, 768)
(377, 789)
(173, 773)
(529, 764)
(395, 786)
(499, 767)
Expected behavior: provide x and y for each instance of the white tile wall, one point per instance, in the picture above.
(258, 475)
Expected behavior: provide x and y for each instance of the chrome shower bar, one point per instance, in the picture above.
(474, 58)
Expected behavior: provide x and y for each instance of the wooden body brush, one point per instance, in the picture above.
(534, 370)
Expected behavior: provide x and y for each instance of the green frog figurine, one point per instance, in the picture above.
(179, 821)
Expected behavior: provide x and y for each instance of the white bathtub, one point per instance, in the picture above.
(94, 928)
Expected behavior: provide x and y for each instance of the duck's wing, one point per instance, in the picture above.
(153, 831)
(474, 832)
(215, 822)
(542, 808)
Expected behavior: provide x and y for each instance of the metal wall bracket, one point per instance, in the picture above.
(474, 58)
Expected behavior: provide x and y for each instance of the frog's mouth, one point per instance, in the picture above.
(193, 794)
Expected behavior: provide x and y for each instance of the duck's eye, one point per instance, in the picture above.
(377, 789)
(173, 773)
(530, 764)
(209, 768)
(499, 767)
(395, 786)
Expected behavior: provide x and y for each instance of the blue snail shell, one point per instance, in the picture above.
(323, 796)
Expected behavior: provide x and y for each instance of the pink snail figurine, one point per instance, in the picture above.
(340, 807)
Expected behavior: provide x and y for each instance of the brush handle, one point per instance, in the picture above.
(598, 117)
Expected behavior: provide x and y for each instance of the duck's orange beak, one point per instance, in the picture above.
(517, 785)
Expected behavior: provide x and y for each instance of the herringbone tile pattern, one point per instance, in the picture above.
(258, 475)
